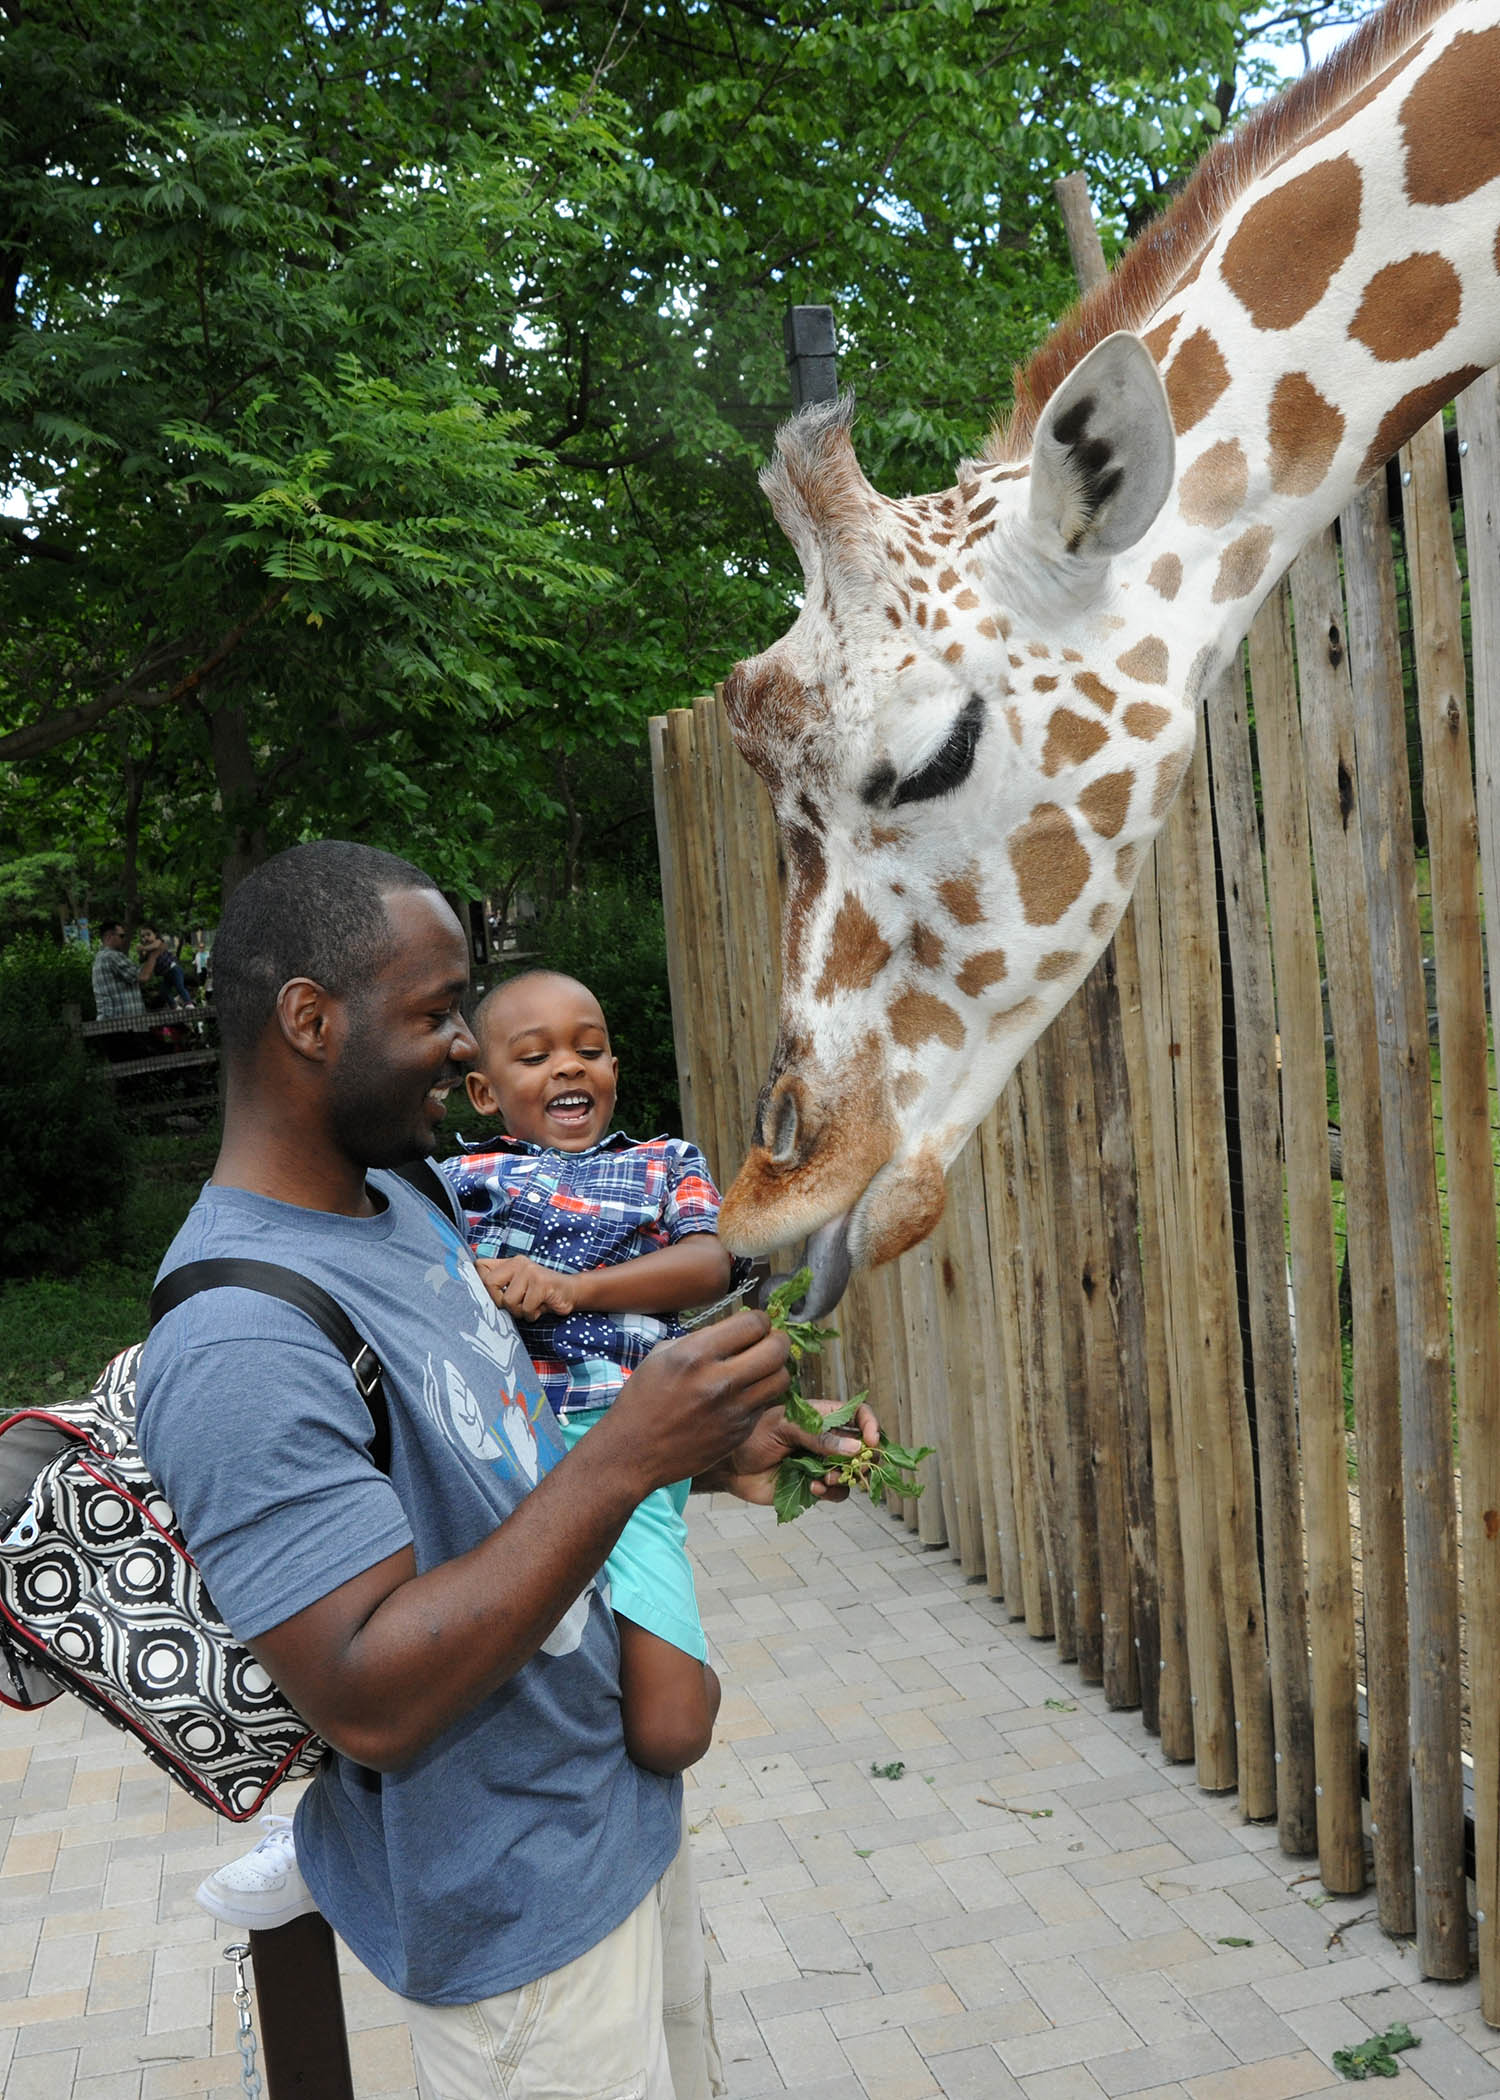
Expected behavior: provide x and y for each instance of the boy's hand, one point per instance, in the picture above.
(525, 1289)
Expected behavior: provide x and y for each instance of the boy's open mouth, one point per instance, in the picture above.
(570, 1108)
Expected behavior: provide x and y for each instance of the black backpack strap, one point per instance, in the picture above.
(427, 1181)
(231, 1272)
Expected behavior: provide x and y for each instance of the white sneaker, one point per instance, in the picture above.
(263, 1888)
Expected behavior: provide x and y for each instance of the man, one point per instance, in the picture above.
(117, 990)
(480, 1838)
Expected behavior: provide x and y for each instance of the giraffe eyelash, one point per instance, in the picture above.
(947, 769)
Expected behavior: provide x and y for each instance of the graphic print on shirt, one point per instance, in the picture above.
(517, 1439)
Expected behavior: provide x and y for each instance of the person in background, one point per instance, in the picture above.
(117, 981)
(168, 968)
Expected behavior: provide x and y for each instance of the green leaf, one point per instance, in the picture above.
(1376, 2057)
(791, 1494)
(890, 1771)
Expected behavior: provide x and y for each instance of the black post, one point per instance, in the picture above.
(302, 2030)
(811, 354)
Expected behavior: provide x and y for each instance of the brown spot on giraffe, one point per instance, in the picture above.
(916, 1017)
(1072, 656)
(921, 612)
(905, 1088)
(1194, 380)
(893, 615)
(1146, 661)
(982, 510)
(988, 629)
(966, 600)
(940, 618)
(1145, 720)
(1127, 860)
(1407, 307)
(1169, 772)
(1051, 864)
(1315, 217)
(947, 580)
(888, 834)
(1242, 564)
(1071, 740)
(920, 555)
(980, 532)
(920, 583)
(1093, 688)
(1448, 122)
(954, 652)
(906, 663)
(1010, 1018)
(981, 971)
(1157, 339)
(1044, 683)
(1013, 721)
(1037, 649)
(926, 947)
(1101, 918)
(1058, 962)
(1106, 802)
(959, 897)
(1410, 413)
(807, 872)
(1165, 577)
(1213, 488)
(857, 953)
(1305, 432)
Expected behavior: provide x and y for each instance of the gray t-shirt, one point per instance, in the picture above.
(524, 1834)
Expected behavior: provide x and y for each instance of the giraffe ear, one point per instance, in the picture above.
(1104, 455)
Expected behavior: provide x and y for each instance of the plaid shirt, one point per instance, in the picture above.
(584, 1210)
(117, 987)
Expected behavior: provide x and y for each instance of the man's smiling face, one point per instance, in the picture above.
(545, 1066)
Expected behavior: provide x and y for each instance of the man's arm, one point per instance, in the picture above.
(386, 1662)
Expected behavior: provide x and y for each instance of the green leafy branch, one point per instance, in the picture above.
(1376, 2058)
(878, 1470)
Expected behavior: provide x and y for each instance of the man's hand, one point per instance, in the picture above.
(750, 1471)
(526, 1290)
(699, 1400)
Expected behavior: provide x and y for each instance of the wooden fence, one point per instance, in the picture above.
(1214, 1301)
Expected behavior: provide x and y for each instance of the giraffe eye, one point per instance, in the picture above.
(950, 765)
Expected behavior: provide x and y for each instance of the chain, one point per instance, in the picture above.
(249, 2071)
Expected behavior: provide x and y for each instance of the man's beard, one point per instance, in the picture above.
(373, 1117)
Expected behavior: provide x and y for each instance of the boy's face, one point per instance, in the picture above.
(545, 1067)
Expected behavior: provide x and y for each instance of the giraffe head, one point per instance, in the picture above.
(966, 744)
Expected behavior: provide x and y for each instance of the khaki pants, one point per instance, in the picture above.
(629, 2020)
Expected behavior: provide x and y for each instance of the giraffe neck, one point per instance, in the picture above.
(1345, 297)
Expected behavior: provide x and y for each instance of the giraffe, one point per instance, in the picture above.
(980, 717)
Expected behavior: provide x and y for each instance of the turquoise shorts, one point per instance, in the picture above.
(649, 1573)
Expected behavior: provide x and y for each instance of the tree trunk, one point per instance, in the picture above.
(239, 795)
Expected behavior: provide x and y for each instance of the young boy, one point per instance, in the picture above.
(591, 1243)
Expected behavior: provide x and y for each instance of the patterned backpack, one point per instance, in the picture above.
(99, 1595)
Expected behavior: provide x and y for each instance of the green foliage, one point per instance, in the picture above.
(58, 1332)
(387, 386)
(64, 1167)
(1376, 2058)
(879, 1470)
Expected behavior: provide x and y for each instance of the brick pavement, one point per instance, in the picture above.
(1037, 1906)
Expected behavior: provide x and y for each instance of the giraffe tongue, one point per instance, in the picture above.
(828, 1257)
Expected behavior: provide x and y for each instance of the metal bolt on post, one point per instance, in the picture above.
(811, 354)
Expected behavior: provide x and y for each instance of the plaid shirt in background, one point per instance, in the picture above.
(576, 1211)
(117, 987)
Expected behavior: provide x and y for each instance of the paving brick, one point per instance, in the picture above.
(889, 2067)
(804, 2049)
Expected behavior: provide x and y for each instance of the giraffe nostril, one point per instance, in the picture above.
(781, 1141)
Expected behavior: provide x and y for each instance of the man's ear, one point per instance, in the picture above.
(482, 1096)
(304, 1016)
(1104, 455)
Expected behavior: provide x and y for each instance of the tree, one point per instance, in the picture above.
(387, 385)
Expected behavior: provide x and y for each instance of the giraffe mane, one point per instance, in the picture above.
(1170, 248)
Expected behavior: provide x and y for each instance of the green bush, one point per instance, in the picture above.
(64, 1166)
(611, 938)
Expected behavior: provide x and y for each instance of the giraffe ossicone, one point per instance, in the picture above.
(981, 715)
